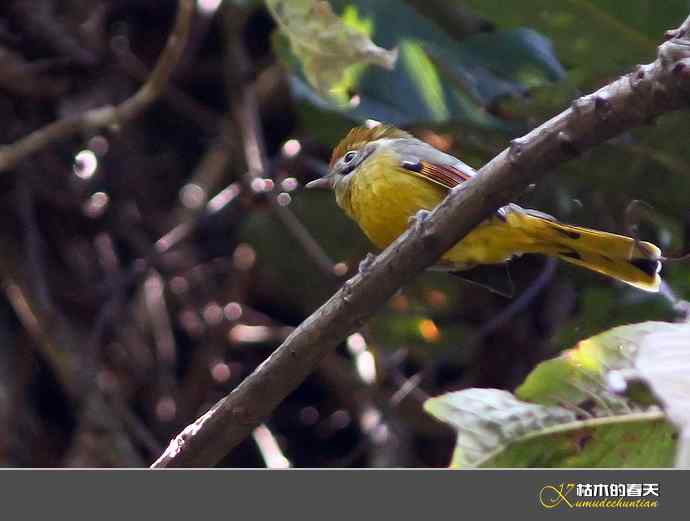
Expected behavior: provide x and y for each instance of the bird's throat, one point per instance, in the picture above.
(343, 194)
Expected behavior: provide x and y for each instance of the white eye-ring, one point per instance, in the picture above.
(349, 156)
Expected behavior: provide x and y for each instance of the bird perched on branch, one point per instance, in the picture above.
(384, 178)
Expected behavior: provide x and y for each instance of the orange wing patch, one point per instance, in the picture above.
(444, 175)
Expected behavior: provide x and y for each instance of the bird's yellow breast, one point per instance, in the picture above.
(382, 197)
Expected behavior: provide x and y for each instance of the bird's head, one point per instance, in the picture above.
(359, 144)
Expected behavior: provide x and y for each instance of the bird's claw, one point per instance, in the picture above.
(366, 263)
(419, 217)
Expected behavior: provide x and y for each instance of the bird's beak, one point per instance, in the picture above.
(326, 181)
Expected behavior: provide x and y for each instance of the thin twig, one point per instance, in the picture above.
(53, 340)
(183, 103)
(109, 116)
(630, 101)
(34, 243)
(246, 114)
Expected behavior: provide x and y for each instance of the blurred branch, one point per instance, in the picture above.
(41, 21)
(179, 100)
(74, 362)
(363, 402)
(56, 341)
(26, 209)
(516, 306)
(246, 114)
(632, 100)
(46, 344)
(109, 116)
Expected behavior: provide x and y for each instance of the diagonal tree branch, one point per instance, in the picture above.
(109, 116)
(633, 100)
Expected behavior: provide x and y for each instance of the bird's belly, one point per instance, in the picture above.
(492, 242)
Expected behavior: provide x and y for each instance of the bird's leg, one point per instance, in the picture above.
(366, 263)
(419, 217)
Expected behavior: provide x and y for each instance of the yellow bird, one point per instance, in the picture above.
(383, 177)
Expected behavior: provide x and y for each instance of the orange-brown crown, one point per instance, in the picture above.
(360, 136)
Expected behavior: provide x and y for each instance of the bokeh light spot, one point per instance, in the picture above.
(244, 257)
(283, 199)
(212, 313)
(356, 343)
(166, 408)
(192, 196)
(232, 311)
(429, 330)
(96, 205)
(291, 148)
(289, 184)
(85, 164)
(220, 372)
(340, 269)
(208, 7)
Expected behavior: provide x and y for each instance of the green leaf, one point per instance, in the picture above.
(594, 38)
(627, 441)
(495, 429)
(487, 420)
(576, 418)
(578, 375)
(332, 51)
(437, 78)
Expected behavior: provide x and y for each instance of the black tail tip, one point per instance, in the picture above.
(649, 267)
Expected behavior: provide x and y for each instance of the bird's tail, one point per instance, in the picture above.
(618, 256)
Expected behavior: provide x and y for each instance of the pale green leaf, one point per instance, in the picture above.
(495, 429)
(487, 420)
(332, 50)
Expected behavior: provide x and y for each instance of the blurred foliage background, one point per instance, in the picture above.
(145, 272)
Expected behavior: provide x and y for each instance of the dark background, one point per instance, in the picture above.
(129, 305)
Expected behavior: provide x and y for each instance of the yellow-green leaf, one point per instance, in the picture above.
(332, 50)
(579, 374)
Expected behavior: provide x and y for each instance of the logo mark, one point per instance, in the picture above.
(551, 496)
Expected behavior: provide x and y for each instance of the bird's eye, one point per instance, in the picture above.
(350, 156)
